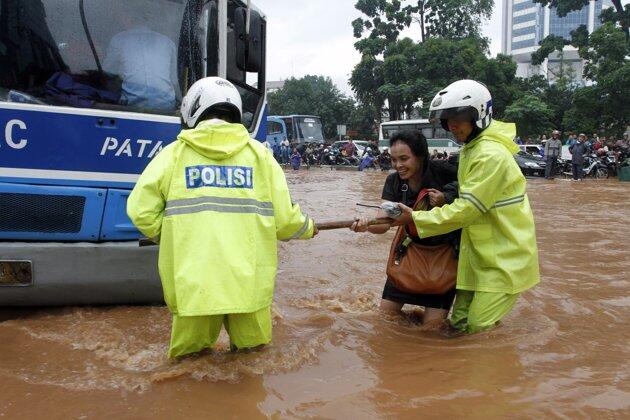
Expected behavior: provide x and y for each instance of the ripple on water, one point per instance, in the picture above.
(102, 352)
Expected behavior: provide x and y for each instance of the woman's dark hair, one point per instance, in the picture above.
(416, 142)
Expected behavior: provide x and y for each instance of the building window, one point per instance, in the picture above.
(562, 26)
(524, 18)
(523, 44)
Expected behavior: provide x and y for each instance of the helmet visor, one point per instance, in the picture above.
(465, 113)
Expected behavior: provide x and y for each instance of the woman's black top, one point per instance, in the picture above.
(442, 176)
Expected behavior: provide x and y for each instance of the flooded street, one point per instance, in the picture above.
(562, 352)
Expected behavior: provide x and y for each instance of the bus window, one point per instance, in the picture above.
(290, 132)
(309, 129)
(274, 127)
(389, 130)
(250, 85)
(427, 131)
(141, 54)
(441, 133)
(438, 143)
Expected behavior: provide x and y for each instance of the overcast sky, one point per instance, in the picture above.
(315, 37)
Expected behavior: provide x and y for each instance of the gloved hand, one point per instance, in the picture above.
(391, 209)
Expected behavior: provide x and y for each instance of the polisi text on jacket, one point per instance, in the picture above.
(219, 176)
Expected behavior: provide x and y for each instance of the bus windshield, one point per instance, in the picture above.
(428, 130)
(310, 129)
(125, 55)
(389, 130)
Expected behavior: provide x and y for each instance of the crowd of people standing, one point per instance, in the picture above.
(580, 147)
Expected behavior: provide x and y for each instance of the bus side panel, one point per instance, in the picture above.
(261, 134)
(56, 146)
(276, 138)
(46, 213)
(116, 224)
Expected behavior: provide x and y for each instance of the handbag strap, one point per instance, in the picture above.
(421, 195)
(410, 229)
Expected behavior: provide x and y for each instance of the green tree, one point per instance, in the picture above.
(584, 114)
(550, 44)
(313, 95)
(363, 122)
(499, 75)
(412, 73)
(559, 98)
(604, 105)
(605, 53)
(385, 19)
(532, 117)
(366, 78)
(454, 19)
(402, 74)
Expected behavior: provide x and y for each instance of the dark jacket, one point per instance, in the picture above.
(578, 151)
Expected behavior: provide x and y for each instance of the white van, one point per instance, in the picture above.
(443, 145)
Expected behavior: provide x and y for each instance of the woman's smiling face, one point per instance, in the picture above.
(404, 161)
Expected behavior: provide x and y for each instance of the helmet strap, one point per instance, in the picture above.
(474, 133)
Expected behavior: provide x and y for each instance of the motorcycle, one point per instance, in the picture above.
(329, 156)
(610, 160)
(594, 167)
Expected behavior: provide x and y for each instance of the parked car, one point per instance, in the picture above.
(531, 165)
(533, 149)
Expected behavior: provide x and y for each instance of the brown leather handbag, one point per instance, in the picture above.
(420, 269)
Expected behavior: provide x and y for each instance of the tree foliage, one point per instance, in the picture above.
(411, 73)
(313, 95)
(531, 116)
(385, 19)
(400, 77)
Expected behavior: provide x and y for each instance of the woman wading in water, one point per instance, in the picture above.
(416, 173)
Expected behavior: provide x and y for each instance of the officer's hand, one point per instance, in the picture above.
(360, 225)
(436, 198)
(405, 218)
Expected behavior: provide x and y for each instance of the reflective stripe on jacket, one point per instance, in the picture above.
(498, 251)
(219, 202)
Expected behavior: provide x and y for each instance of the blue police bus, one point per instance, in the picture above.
(298, 129)
(89, 94)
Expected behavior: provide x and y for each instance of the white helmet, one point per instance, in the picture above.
(463, 98)
(211, 92)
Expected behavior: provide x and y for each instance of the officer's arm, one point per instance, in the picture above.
(145, 206)
(290, 222)
(451, 192)
(477, 195)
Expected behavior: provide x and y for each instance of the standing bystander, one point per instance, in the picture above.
(578, 151)
(553, 146)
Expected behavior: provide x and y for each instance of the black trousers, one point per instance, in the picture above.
(550, 170)
(578, 171)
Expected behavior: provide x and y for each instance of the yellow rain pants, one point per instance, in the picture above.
(474, 312)
(191, 334)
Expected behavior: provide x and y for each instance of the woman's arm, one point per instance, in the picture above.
(361, 225)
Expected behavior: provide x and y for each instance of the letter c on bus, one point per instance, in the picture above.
(8, 134)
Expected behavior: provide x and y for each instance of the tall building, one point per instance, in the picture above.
(526, 23)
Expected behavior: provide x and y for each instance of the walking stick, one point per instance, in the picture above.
(337, 224)
(344, 224)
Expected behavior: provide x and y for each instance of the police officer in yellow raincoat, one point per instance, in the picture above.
(498, 257)
(217, 201)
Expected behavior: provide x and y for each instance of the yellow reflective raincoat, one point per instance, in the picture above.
(498, 251)
(219, 202)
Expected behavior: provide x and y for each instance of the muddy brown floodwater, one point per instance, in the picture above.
(562, 352)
